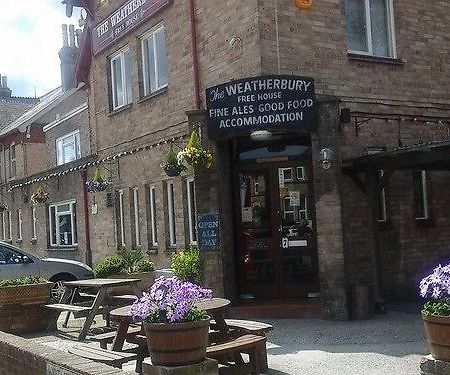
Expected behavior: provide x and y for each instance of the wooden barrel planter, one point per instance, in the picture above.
(177, 344)
(437, 329)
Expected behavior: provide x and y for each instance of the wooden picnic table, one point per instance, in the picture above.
(98, 306)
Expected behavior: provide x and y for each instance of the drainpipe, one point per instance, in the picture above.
(198, 101)
(88, 254)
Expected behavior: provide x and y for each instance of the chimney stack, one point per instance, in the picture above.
(5, 91)
(68, 56)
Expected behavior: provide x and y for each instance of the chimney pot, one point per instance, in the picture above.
(4, 81)
(64, 35)
(72, 36)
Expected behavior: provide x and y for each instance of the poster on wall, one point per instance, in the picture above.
(208, 231)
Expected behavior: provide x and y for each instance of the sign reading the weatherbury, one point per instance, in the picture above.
(261, 103)
(123, 20)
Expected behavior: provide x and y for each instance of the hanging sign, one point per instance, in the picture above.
(123, 20)
(277, 102)
(208, 231)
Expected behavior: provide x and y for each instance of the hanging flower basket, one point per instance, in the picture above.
(39, 195)
(172, 165)
(98, 183)
(195, 153)
(3, 206)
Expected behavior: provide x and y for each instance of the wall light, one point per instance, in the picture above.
(326, 157)
(261, 135)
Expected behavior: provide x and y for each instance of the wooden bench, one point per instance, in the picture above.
(108, 357)
(249, 344)
(108, 337)
(78, 311)
(241, 327)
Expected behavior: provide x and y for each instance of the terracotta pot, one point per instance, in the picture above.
(177, 344)
(437, 329)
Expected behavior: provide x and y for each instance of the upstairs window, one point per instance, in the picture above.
(369, 25)
(154, 60)
(121, 79)
(420, 195)
(68, 148)
(63, 224)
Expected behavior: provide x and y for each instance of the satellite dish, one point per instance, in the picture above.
(69, 8)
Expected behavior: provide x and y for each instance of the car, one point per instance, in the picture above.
(15, 262)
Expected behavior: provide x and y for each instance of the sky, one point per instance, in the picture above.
(30, 38)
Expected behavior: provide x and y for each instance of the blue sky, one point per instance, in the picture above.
(30, 38)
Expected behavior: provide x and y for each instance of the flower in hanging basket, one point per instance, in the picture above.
(172, 165)
(3, 206)
(98, 183)
(39, 195)
(195, 153)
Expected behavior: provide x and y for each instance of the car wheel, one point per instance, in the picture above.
(58, 287)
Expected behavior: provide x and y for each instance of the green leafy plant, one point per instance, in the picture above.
(145, 265)
(131, 259)
(187, 265)
(23, 280)
(126, 261)
(195, 153)
(109, 266)
(172, 165)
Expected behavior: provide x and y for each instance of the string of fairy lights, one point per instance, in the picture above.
(106, 159)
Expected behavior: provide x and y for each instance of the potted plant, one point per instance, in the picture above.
(172, 165)
(22, 303)
(177, 331)
(98, 183)
(195, 152)
(436, 311)
(39, 195)
(187, 265)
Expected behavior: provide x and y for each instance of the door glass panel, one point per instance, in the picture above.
(295, 225)
(256, 226)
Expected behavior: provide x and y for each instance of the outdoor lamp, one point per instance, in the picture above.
(326, 157)
(261, 135)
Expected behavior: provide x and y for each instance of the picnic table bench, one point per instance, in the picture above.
(109, 357)
(108, 337)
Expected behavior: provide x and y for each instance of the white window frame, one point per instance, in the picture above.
(190, 190)
(55, 230)
(3, 226)
(9, 226)
(382, 200)
(127, 91)
(286, 212)
(153, 222)
(301, 173)
(146, 77)
(171, 213)
(19, 224)
(121, 219)
(392, 44)
(33, 223)
(424, 196)
(291, 172)
(137, 223)
(305, 210)
(65, 141)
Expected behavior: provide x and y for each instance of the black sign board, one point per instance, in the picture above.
(208, 232)
(261, 103)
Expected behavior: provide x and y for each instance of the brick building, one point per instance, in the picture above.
(304, 111)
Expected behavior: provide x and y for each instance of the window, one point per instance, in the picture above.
(9, 226)
(301, 174)
(137, 229)
(287, 174)
(420, 194)
(121, 79)
(154, 60)
(171, 214)
(4, 237)
(369, 26)
(63, 224)
(192, 210)
(10, 256)
(288, 210)
(154, 231)
(19, 224)
(33, 223)
(303, 208)
(12, 163)
(121, 220)
(68, 148)
(381, 200)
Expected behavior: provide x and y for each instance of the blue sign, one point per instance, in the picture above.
(208, 230)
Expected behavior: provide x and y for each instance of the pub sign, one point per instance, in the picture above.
(208, 232)
(281, 102)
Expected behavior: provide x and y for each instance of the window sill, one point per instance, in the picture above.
(153, 94)
(63, 248)
(374, 59)
(424, 222)
(120, 110)
(152, 251)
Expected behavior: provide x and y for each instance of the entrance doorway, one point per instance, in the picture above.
(275, 223)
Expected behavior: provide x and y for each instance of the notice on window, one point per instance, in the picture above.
(247, 215)
(294, 197)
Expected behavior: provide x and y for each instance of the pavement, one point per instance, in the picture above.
(391, 343)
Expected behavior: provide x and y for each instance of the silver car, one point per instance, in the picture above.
(15, 262)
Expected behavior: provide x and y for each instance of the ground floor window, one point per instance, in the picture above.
(121, 220)
(191, 211)
(153, 224)
(33, 223)
(137, 223)
(19, 225)
(420, 194)
(382, 216)
(63, 224)
(171, 214)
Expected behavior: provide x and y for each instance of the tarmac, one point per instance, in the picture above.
(391, 343)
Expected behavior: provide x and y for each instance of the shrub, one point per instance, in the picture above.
(187, 265)
(131, 259)
(145, 266)
(109, 266)
(23, 280)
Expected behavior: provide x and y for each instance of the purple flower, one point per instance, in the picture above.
(437, 284)
(168, 300)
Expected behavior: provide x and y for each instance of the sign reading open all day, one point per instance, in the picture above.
(261, 103)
